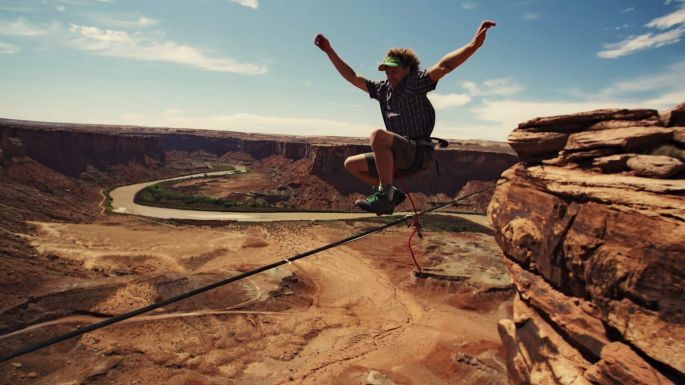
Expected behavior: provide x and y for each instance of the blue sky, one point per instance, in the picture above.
(251, 65)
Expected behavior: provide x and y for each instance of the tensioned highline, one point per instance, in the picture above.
(157, 305)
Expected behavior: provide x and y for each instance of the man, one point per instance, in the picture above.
(405, 146)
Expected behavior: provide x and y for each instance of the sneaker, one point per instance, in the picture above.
(397, 199)
(376, 203)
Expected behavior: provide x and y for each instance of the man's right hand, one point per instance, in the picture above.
(482, 31)
(322, 43)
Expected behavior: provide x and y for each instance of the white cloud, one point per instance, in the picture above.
(144, 47)
(469, 6)
(674, 18)
(254, 4)
(442, 101)
(21, 27)
(499, 87)
(629, 9)
(649, 40)
(639, 43)
(8, 49)
(126, 22)
(490, 87)
(531, 16)
(60, 8)
(245, 122)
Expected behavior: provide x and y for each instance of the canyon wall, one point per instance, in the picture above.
(71, 148)
(71, 151)
(592, 227)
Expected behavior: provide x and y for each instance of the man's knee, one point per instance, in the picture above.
(349, 163)
(380, 137)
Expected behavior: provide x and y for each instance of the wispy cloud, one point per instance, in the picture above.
(8, 49)
(493, 87)
(145, 47)
(126, 21)
(629, 9)
(22, 27)
(254, 4)
(531, 16)
(674, 18)
(640, 43)
(649, 40)
(469, 6)
(442, 101)
(490, 87)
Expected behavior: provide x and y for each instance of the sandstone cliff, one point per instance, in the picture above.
(71, 148)
(592, 227)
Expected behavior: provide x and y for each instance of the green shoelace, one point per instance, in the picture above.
(375, 196)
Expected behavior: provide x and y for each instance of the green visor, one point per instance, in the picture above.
(390, 61)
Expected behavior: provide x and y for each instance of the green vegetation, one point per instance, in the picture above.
(157, 195)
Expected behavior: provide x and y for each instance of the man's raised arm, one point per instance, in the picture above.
(455, 58)
(345, 70)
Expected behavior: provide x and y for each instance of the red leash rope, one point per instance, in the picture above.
(416, 223)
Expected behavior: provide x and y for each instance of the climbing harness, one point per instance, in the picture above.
(417, 163)
(98, 325)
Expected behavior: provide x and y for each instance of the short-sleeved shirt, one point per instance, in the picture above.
(406, 110)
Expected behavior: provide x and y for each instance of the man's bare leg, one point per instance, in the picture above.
(381, 143)
(358, 166)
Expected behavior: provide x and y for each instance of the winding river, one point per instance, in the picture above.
(122, 203)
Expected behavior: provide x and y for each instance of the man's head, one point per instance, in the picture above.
(398, 63)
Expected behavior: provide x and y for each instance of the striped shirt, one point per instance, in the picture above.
(406, 110)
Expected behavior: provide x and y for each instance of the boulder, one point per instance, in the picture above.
(612, 163)
(630, 139)
(531, 144)
(676, 116)
(655, 166)
(579, 121)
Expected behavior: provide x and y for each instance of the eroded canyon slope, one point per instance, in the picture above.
(592, 226)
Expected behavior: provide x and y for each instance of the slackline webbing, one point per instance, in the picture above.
(157, 305)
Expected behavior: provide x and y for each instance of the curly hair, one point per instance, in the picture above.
(408, 57)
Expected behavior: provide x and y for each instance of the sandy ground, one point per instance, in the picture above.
(350, 315)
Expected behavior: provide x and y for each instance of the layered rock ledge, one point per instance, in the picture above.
(591, 223)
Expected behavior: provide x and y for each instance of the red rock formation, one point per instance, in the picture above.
(71, 152)
(592, 226)
(70, 148)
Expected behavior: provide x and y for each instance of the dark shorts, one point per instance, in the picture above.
(403, 153)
